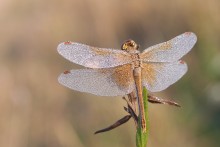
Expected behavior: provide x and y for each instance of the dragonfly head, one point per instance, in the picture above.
(129, 46)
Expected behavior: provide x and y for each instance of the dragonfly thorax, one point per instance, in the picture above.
(130, 46)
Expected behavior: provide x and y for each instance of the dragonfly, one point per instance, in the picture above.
(118, 72)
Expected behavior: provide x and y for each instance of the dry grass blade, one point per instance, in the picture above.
(157, 100)
(116, 124)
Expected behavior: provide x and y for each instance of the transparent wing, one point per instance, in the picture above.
(93, 57)
(104, 82)
(159, 76)
(171, 50)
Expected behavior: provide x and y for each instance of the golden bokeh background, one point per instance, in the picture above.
(36, 111)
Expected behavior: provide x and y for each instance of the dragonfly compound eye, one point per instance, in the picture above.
(132, 43)
(124, 46)
(127, 44)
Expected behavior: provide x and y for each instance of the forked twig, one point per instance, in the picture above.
(123, 120)
(131, 109)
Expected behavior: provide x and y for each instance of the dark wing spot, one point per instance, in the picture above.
(181, 62)
(188, 33)
(67, 43)
(66, 72)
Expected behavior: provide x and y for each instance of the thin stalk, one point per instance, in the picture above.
(142, 138)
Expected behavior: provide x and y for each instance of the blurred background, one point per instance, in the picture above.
(36, 111)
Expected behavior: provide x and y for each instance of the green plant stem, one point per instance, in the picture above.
(142, 138)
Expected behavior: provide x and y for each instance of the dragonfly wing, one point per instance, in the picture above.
(159, 76)
(93, 57)
(171, 50)
(104, 82)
